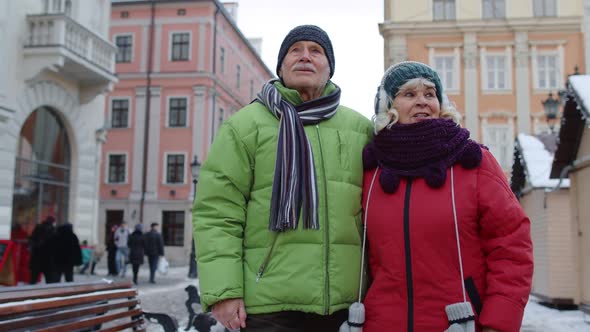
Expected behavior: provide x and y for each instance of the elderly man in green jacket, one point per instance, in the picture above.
(277, 218)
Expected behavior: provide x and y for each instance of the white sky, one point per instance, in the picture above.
(351, 25)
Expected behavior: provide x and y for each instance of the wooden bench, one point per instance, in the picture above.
(88, 306)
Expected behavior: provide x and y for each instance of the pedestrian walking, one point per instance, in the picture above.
(67, 251)
(122, 255)
(112, 252)
(136, 250)
(42, 257)
(154, 248)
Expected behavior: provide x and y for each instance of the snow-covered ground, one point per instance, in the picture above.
(542, 319)
(168, 296)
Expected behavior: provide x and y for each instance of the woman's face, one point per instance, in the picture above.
(416, 103)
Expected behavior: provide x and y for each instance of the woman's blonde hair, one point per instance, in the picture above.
(387, 115)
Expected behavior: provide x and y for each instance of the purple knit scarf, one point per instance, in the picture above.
(425, 149)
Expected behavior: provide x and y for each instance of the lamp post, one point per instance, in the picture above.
(551, 107)
(195, 168)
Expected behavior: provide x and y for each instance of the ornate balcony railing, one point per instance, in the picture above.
(61, 36)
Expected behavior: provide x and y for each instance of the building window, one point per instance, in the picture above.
(180, 46)
(498, 138)
(124, 14)
(443, 10)
(222, 60)
(495, 72)
(542, 8)
(119, 113)
(446, 68)
(173, 228)
(547, 72)
(494, 8)
(177, 112)
(181, 12)
(124, 48)
(117, 168)
(238, 74)
(175, 168)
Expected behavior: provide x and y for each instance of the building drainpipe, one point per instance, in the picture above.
(148, 96)
(214, 69)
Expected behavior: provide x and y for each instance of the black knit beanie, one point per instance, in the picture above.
(310, 33)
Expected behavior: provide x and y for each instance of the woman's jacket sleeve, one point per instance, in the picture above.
(506, 241)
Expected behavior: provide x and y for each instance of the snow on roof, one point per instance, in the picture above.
(581, 84)
(538, 162)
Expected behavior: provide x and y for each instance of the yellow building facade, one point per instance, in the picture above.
(498, 59)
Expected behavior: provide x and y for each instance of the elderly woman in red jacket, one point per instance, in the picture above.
(449, 245)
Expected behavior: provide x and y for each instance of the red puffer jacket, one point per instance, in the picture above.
(413, 255)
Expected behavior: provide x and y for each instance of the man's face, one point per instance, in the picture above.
(305, 66)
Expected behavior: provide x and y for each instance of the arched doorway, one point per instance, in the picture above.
(42, 172)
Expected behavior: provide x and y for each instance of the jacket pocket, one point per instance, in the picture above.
(266, 258)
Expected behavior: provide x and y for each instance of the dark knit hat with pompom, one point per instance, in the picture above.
(310, 33)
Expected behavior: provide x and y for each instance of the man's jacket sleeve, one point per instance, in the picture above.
(219, 217)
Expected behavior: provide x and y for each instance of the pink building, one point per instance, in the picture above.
(183, 67)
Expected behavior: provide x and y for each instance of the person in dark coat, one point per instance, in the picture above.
(154, 248)
(136, 245)
(68, 253)
(41, 256)
(112, 253)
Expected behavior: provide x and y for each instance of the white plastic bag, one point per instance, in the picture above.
(163, 265)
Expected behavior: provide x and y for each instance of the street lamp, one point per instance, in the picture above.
(195, 168)
(551, 107)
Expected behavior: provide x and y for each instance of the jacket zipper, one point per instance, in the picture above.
(266, 258)
(409, 284)
(327, 239)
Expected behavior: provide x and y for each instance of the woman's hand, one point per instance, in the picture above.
(231, 313)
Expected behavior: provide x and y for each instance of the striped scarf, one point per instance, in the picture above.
(295, 185)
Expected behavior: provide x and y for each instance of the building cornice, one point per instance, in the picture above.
(497, 114)
(537, 24)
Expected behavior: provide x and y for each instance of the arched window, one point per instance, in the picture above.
(42, 170)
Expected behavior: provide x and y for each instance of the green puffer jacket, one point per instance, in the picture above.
(315, 271)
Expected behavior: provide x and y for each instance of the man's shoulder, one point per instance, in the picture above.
(348, 118)
(249, 118)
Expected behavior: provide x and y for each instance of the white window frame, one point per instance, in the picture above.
(190, 45)
(456, 70)
(445, 18)
(126, 34)
(168, 110)
(508, 146)
(556, 4)
(559, 53)
(507, 70)
(165, 168)
(493, 17)
(108, 168)
(110, 118)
